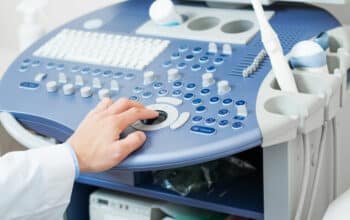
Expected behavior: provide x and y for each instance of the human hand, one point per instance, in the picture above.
(96, 141)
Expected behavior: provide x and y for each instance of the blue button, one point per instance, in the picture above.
(223, 112)
(163, 92)
(60, 67)
(75, 69)
(197, 119)
(23, 68)
(50, 66)
(117, 75)
(188, 96)
(204, 59)
(223, 123)
(26, 62)
(181, 65)
(175, 56)
(214, 100)
(197, 101)
(218, 61)
(147, 95)
(177, 84)
(201, 109)
(239, 118)
(177, 93)
(28, 85)
(133, 98)
(36, 63)
(211, 69)
(107, 73)
(167, 64)
(189, 57)
(197, 50)
(205, 91)
(227, 101)
(138, 89)
(237, 125)
(210, 121)
(85, 70)
(196, 67)
(183, 48)
(191, 86)
(203, 130)
(129, 76)
(96, 72)
(240, 102)
(157, 85)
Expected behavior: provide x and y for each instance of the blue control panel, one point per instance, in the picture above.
(209, 105)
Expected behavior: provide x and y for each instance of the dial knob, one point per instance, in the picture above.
(114, 85)
(103, 93)
(207, 79)
(86, 91)
(68, 89)
(212, 48)
(173, 75)
(241, 108)
(149, 77)
(223, 87)
(96, 83)
(52, 86)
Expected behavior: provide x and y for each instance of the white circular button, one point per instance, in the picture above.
(207, 79)
(149, 77)
(173, 74)
(93, 24)
(52, 86)
(86, 92)
(68, 89)
(103, 93)
(223, 87)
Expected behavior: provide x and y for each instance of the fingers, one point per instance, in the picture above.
(129, 144)
(103, 105)
(132, 115)
(122, 105)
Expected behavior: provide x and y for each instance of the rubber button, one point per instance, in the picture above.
(203, 130)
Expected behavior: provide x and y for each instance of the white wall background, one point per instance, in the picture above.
(60, 11)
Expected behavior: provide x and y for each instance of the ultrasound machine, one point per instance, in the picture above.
(227, 79)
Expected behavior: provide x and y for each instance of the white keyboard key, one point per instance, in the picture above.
(183, 118)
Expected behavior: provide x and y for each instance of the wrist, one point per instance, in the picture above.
(75, 159)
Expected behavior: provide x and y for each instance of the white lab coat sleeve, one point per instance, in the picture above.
(36, 184)
(339, 209)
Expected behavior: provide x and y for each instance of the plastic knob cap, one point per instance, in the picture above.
(52, 86)
(173, 75)
(104, 93)
(223, 87)
(68, 89)
(86, 92)
(149, 77)
(207, 79)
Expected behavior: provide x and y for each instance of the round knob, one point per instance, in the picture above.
(223, 87)
(52, 86)
(86, 92)
(68, 89)
(173, 74)
(208, 79)
(241, 108)
(149, 77)
(103, 93)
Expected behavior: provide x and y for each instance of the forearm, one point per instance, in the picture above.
(34, 181)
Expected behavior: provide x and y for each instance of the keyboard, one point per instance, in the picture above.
(113, 50)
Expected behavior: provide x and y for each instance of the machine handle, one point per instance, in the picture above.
(20, 134)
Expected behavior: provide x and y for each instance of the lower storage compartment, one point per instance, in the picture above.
(240, 195)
